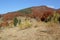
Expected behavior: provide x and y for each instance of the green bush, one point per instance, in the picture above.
(46, 19)
(55, 17)
(15, 21)
(26, 11)
(59, 19)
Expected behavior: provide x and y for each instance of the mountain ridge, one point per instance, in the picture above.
(35, 11)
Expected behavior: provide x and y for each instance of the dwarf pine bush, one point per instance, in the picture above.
(55, 17)
(15, 21)
(59, 19)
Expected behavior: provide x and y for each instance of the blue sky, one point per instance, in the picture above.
(13, 5)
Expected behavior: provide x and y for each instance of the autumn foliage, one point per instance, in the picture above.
(33, 12)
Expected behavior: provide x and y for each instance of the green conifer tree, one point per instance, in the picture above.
(15, 21)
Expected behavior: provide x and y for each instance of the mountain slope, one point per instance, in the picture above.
(37, 11)
(34, 23)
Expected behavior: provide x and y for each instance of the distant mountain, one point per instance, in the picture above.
(36, 12)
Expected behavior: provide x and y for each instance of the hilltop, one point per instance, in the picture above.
(40, 13)
(35, 12)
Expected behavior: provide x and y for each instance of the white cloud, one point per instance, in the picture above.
(50, 6)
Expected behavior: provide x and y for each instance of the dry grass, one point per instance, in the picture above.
(37, 31)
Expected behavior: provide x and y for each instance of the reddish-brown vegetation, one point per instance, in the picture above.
(42, 12)
(58, 11)
(37, 12)
(10, 16)
(4, 24)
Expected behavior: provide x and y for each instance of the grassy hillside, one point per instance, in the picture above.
(26, 11)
